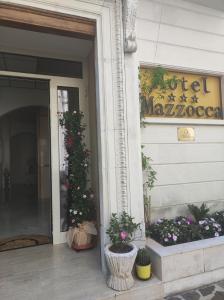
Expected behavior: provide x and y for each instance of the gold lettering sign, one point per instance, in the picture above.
(185, 134)
(181, 95)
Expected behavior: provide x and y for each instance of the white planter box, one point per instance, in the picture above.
(188, 265)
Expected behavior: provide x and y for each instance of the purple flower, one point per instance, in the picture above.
(174, 238)
(189, 220)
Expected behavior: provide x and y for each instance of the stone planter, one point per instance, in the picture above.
(120, 266)
(187, 266)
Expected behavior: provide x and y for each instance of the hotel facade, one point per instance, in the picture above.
(90, 53)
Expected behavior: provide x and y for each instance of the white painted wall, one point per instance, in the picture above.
(185, 36)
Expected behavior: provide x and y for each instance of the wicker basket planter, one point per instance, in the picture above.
(82, 237)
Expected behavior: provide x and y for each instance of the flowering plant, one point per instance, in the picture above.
(187, 230)
(208, 228)
(121, 232)
(80, 198)
(165, 231)
(184, 229)
(219, 218)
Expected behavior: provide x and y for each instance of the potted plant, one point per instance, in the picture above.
(121, 253)
(143, 264)
(81, 208)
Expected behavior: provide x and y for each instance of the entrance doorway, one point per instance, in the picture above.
(66, 65)
(25, 182)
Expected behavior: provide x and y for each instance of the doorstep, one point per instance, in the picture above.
(56, 272)
(148, 290)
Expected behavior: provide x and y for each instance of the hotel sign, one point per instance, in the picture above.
(188, 96)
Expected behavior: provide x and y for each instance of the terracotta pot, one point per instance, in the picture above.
(120, 266)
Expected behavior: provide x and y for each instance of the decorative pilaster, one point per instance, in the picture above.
(133, 133)
(120, 112)
(129, 20)
(124, 42)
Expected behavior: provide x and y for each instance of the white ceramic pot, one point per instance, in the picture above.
(120, 266)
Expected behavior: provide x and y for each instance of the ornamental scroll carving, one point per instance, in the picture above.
(129, 20)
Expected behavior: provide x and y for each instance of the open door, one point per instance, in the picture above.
(25, 195)
(70, 96)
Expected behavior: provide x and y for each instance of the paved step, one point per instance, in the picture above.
(147, 290)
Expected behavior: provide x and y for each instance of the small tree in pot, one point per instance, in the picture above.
(81, 211)
(143, 264)
(121, 253)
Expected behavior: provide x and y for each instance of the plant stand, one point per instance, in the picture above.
(120, 266)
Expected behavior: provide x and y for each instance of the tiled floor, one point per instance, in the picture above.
(49, 272)
(24, 215)
(59, 273)
(56, 272)
(210, 292)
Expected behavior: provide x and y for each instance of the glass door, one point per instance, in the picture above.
(66, 95)
(25, 181)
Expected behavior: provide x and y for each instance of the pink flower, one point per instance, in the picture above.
(123, 235)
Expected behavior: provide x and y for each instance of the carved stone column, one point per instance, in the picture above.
(131, 64)
(120, 112)
(129, 18)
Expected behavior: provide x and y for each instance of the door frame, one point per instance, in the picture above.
(55, 81)
(115, 127)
